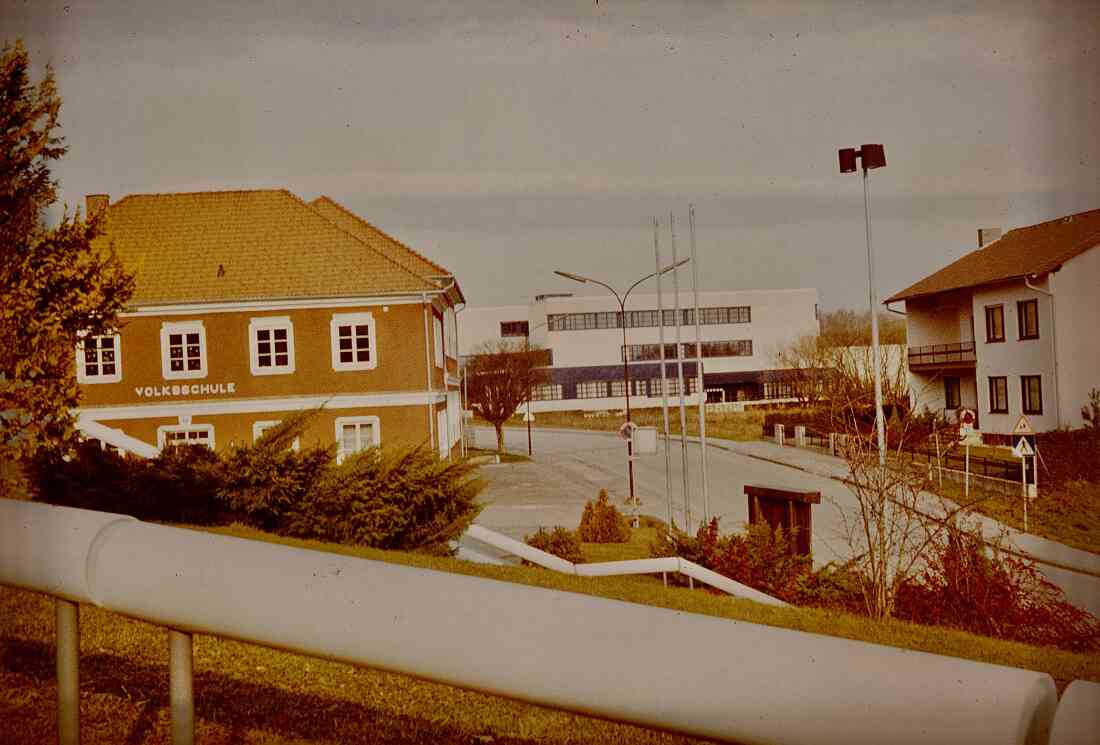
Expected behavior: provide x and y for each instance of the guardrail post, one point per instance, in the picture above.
(68, 671)
(180, 690)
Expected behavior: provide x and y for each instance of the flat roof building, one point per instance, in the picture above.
(740, 330)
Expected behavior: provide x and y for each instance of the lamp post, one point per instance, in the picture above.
(626, 367)
(871, 157)
(527, 351)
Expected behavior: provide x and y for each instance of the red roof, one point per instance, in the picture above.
(1033, 250)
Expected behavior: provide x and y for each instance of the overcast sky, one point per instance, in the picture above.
(508, 139)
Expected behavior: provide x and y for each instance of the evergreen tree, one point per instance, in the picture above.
(54, 285)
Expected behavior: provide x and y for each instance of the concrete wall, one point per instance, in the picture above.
(1076, 290)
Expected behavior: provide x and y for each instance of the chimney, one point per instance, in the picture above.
(987, 236)
(95, 204)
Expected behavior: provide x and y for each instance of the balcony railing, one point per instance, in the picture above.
(942, 354)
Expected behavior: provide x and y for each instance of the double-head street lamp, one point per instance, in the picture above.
(871, 156)
(626, 355)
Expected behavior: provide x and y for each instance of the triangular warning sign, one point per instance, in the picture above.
(1023, 427)
(1023, 449)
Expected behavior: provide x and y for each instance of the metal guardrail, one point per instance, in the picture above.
(941, 354)
(676, 671)
(662, 565)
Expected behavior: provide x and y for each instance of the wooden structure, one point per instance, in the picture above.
(785, 508)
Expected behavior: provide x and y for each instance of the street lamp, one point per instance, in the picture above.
(527, 351)
(872, 156)
(626, 367)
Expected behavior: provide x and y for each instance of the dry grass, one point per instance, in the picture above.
(734, 425)
(1066, 514)
(251, 694)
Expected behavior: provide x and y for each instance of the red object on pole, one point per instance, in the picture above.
(848, 160)
(873, 156)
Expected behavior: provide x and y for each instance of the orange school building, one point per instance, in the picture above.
(250, 305)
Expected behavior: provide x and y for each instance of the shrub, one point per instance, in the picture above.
(996, 595)
(764, 560)
(179, 485)
(1069, 455)
(560, 542)
(267, 481)
(602, 522)
(392, 499)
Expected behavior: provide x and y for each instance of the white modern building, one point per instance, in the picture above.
(740, 332)
(1011, 328)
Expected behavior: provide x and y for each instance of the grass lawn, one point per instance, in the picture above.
(1067, 514)
(247, 693)
(251, 694)
(504, 457)
(732, 425)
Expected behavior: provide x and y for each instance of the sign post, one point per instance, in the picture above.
(1023, 432)
(966, 433)
(1023, 451)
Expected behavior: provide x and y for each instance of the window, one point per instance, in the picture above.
(450, 333)
(1027, 313)
(99, 359)
(644, 318)
(1031, 387)
(353, 342)
(546, 392)
(513, 328)
(437, 328)
(183, 350)
(672, 386)
(952, 395)
(258, 429)
(355, 434)
(998, 395)
(271, 345)
(185, 434)
(592, 389)
(441, 432)
(995, 323)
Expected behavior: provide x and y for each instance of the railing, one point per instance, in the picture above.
(661, 565)
(942, 354)
(681, 672)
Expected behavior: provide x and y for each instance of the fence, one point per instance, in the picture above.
(953, 459)
(681, 672)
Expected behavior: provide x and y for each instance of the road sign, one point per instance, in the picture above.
(626, 431)
(1023, 449)
(1023, 427)
(966, 422)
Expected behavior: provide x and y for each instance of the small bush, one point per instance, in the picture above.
(560, 542)
(391, 499)
(999, 595)
(179, 485)
(602, 522)
(268, 481)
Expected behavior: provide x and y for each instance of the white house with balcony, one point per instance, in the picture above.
(740, 333)
(1010, 329)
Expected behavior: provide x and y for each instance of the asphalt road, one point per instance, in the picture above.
(570, 468)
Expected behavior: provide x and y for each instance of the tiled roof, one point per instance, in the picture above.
(246, 245)
(378, 239)
(1036, 249)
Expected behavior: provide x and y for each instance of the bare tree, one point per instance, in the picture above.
(895, 521)
(499, 377)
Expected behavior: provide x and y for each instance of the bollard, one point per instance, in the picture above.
(68, 671)
(1077, 719)
(779, 435)
(800, 436)
(180, 689)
